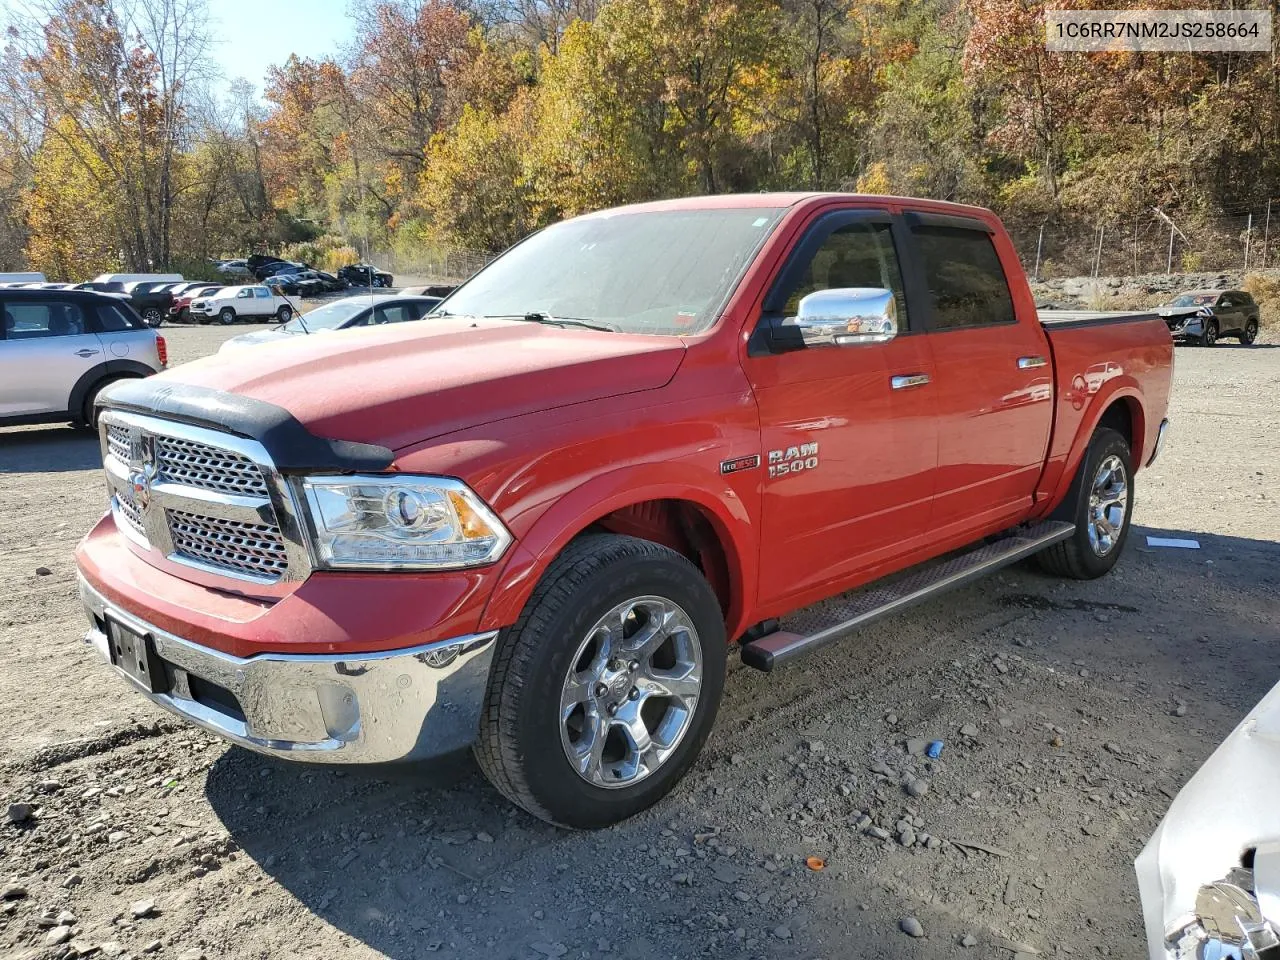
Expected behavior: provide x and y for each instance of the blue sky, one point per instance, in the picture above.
(252, 35)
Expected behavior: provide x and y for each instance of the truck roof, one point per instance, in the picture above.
(788, 199)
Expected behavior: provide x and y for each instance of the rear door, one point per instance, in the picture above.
(48, 345)
(1229, 313)
(124, 336)
(993, 378)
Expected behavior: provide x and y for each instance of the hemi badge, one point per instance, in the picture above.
(741, 463)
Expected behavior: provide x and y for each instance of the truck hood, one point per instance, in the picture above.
(401, 384)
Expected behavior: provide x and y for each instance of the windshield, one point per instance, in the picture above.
(1193, 300)
(660, 271)
(329, 317)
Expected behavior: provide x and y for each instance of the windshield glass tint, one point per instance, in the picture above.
(1187, 300)
(329, 317)
(663, 272)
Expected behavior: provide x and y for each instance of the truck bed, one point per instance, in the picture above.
(1062, 318)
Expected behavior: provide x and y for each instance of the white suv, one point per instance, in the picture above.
(232, 303)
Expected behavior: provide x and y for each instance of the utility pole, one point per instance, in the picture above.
(1266, 235)
(1248, 237)
(1173, 229)
(1097, 259)
(1035, 274)
(1135, 248)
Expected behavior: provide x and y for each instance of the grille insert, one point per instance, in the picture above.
(209, 468)
(129, 510)
(118, 443)
(256, 549)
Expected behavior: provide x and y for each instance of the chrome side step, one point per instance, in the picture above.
(813, 627)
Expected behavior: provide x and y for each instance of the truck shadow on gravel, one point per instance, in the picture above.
(48, 450)
(432, 861)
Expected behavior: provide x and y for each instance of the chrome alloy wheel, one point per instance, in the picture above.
(631, 691)
(1108, 503)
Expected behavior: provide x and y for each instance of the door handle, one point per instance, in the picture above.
(86, 352)
(1030, 363)
(908, 380)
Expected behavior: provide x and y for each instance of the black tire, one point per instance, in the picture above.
(1250, 333)
(184, 315)
(227, 316)
(88, 413)
(1210, 336)
(519, 747)
(152, 316)
(284, 314)
(1076, 557)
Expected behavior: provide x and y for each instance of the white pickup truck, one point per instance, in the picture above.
(231, 303)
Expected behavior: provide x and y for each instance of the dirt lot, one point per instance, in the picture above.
(1071, 714)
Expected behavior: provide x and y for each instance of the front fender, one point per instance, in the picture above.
(573, 513)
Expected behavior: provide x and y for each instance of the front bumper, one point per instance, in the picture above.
(1210, 875)
(407, 704)
(1192, 328)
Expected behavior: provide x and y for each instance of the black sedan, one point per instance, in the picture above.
(344, 314)
(365, 275)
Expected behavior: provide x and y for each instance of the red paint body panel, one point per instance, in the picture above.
(556, 428)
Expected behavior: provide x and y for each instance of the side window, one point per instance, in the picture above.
(397, 313)
(855, 255)
(111, 319)
(244, 294)
(965, 280)
(30, 321)
(262, 293)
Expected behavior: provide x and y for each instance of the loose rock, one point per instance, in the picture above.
(911, 927)
(782, 933)
(19, 812)
(968, 940)
(917, 787)
(142, 908)
(57, 935)
(12, 891)
(969, 730)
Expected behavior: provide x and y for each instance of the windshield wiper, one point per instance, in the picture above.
(541, 316)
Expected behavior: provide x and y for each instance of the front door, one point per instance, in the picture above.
(47, 347)
(848, 459)
(993, 383)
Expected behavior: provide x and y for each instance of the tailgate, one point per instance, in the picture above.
(1054, 319)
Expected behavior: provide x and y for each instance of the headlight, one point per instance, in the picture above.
(401, 522)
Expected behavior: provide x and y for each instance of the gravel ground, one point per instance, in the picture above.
(1071, 714)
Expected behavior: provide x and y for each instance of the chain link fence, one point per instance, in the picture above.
(430, 266)
(1154, 243)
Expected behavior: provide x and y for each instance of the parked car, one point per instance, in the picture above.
(1203, 316)
(441, 290)
(22, 277)
(345, 314)
(282, 268)
(230, 304)
(286, 283)
(233, 268)
(258, 262)
(535, 522)
(60, 348)
(181, 307)
(137, 277)
(1209, 877)
(151, 298)
(365, 275)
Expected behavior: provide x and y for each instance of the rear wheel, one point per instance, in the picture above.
(284, 314)
(226, 316)
(1099, 503)
(89, 412)
(1250, 332)
(1210, 336)
(603, 692)
(152, 316)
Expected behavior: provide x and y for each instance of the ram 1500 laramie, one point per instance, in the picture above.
(535, 523)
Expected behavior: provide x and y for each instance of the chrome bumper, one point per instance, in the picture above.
(408, 704)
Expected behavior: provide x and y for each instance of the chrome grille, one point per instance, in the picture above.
(128, 508)
(253, 548)
(202, 504)
(209, 468)
(119, 443)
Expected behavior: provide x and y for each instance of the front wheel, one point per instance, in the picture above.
(1250, 333)
(284, 314)
(1210, 336)
(1099, 503)
(604, 691)
(226, 316)
(152, 316)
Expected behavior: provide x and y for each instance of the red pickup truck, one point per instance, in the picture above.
(535, 522)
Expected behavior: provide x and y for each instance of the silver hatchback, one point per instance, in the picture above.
(60, 348)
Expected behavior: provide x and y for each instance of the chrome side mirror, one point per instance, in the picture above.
(845, 317)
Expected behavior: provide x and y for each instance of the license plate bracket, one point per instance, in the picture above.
(135, 655)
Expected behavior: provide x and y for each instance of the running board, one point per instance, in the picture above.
(811, 628)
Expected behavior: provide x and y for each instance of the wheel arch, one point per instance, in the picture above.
(707, 524)
(119, 369)
(1122, 410)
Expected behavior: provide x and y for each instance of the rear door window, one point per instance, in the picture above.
(964, 278)
(32, 320)
(114, 319)
(395, 313)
